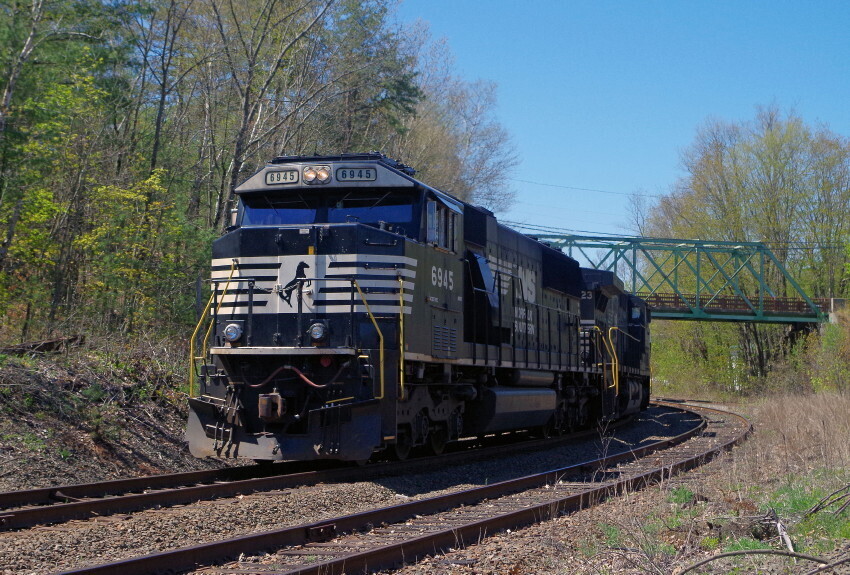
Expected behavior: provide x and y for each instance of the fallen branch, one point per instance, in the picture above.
(45, 346)
(754, 552)
(780, 528)
(828, 567)
(831, 499)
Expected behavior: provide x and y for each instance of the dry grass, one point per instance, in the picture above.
(797, 434)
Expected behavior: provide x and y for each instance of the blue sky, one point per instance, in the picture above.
(605, 95)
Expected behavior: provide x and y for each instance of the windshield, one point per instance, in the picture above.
(267, 211)
(364, 205)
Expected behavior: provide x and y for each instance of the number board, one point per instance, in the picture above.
(356, 174)
(281, 177)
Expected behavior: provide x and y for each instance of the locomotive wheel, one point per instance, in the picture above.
(559, 420)
(403, 445)
(544, 431)
(437, 440)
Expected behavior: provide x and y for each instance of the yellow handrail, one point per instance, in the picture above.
(192, 358)
(611, 330)
(380, 337)
(221, 301)
(616, 360)
(613, 355)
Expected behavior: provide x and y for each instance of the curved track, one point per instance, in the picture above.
(415, 529)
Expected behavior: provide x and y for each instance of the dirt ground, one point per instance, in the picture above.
(63, 424)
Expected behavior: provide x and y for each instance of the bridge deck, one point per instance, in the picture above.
(734, 308)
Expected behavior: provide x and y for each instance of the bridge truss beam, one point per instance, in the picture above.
(699, 280)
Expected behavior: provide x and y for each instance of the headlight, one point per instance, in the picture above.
(232, 332)
(317, 174)
(318, 331)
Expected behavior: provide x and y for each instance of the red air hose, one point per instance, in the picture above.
(303, 377)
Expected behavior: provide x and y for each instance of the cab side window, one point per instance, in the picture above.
(441, 226)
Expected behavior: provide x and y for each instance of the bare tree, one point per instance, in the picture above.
(256, 40)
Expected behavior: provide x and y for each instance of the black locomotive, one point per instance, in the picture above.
(356, 309)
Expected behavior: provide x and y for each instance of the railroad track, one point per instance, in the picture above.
(19, 509)
(384, 537)
(49, 505)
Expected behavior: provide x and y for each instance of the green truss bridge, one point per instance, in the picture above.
(699, 280)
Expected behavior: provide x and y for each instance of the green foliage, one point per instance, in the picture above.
(776, 180)
(93, 393)
(28, 440)
(829, 357)
(132, 250)
(613, 535)
(699, 360)
(129, 123)
(680, 495)
(823, 530)
(103, 425)
(794, 498)
(378, 77)
(656, 548)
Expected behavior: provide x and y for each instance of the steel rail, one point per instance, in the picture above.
(63, 503)
(207, 553)
(50, 495)
(14, 505)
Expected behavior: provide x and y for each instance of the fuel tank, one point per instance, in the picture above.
(506, 408)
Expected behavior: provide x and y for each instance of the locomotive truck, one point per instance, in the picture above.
(357, 310)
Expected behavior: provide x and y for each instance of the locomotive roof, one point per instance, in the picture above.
(395, 174)
(604, 279)
(373, 156)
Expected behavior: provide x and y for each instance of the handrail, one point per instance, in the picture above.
(616, 360)
(233, 267)
(192, 358)
(607, 345)
(402, 394)
(380, 335)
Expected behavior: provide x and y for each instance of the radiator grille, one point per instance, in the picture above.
(444, 340)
